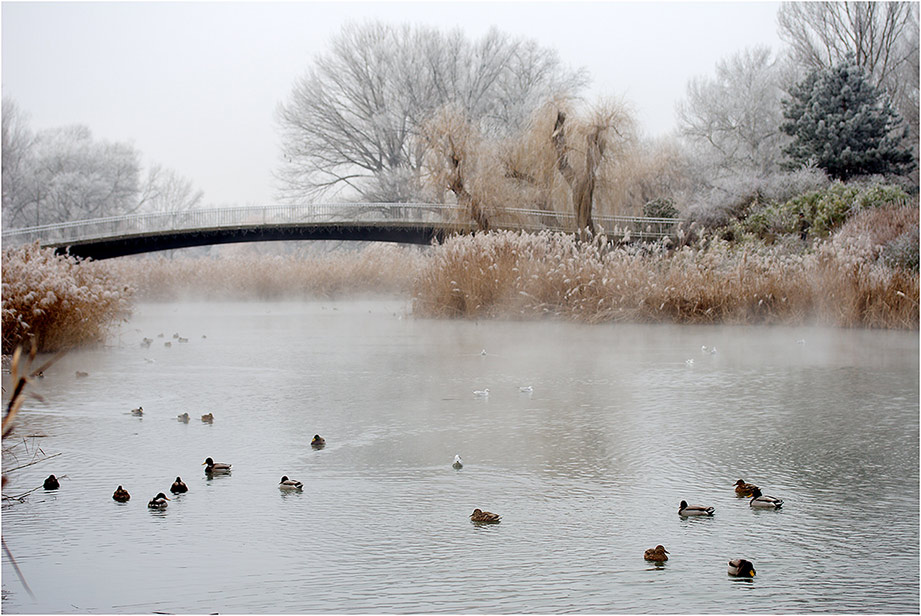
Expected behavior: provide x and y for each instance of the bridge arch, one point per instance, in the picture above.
(411, 223)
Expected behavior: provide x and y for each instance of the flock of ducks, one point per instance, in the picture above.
(738, 567)
(161, 500)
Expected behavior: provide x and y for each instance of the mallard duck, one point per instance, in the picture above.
(318, 441)
(213, 468)
(685, 510)
(208, 418)
(657, 554)
(121, 495)
(184, 418)
(158, 502)
(51, 483)
(765, 502)
(179, 487)
(484, 517)
(745, 489)
(290, 484)
(458, 463)
(741, 567)
(138, 411)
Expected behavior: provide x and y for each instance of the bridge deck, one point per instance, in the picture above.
(418, 223)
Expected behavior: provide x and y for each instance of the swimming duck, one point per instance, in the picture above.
(51, 483)
(208, 418)
(745, 489)
(184, 418)
(318, 442)
(458, 463)
(484, 517)
(81, 374)
(481, 393)
(138, 411)
(213, 468)
(158, 502)
(121, 495)
(685, 510)
(290, 484)
(657, 554)
(741, 567)
(765, 502)
(179, 487)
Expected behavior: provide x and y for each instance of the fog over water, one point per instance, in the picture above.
(586, 470)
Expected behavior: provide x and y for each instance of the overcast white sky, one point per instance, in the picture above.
(194, 86)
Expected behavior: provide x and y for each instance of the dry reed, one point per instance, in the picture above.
(376, 269)
(56, 301)
(525, 275)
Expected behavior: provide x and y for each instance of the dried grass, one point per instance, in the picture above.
(506, 274)
(56, 302)
(376, 269)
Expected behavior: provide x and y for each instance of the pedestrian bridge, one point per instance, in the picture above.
(410, 223)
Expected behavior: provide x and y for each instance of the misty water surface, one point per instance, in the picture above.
(587, 469)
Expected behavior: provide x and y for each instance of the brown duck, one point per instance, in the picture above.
(485, 517)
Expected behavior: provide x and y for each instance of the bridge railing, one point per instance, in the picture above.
(405, 214)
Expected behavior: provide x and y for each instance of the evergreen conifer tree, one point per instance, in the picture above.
(843, 124)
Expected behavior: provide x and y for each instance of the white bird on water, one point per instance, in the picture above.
(526, 389)
(481, 393)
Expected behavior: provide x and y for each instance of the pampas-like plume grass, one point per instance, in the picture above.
(57, 301)
(524, 275)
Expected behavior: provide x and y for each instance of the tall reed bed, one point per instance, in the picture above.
(525, 275)
(56, 302)
(375, 269)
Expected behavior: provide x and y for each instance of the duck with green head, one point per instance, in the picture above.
(685, 510)
(215, 468)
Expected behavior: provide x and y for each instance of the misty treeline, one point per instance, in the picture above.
(64, 173)
(402, 113)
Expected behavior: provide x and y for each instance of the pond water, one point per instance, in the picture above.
(586, 470)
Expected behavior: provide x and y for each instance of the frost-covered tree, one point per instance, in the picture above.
(17, 141)
(63, 174)
(164, 190)
(843, 124)
(353, 122)
(732, 120)
(882, 37)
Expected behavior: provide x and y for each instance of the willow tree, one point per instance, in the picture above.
(585, 151)
(553, 165)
